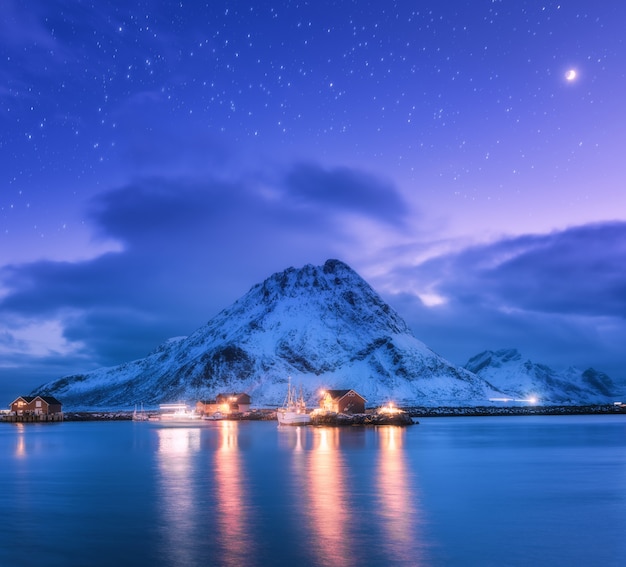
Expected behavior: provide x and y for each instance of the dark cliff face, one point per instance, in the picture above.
(493, 359)
(599, 381)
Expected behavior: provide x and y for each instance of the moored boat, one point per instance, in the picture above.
(217, 416)
(140, 415)
(293, 411)
(175, 413)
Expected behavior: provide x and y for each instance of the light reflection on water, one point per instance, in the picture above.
(20, 444)
(343, 496)
(231, 487)
(398, 504)
(176, 494)
(328, 501)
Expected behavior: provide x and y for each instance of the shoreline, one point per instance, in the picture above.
(266, 414)
(368, 418)
(483, 411)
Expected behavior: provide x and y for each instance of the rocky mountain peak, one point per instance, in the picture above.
(335, 292)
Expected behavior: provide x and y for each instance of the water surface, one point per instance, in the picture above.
(544, 490)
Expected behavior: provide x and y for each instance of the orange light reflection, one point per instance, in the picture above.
(232, 512)
(20, 446)
(398, 505)
(329, 505)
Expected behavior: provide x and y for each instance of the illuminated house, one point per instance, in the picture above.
(225, 404)
(36, 405)
(342, 401)
(234, 402)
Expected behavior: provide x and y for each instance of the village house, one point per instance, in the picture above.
(225, 404)
(342, 401)
(36, 405)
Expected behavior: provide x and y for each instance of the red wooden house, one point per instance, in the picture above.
(342, 401)
(36, 405)
(225, 404)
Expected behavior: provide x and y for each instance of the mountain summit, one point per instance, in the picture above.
(323, 326)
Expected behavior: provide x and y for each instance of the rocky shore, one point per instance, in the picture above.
(97, 415)
(332, 419)
(341, 419)
(513, 410)
(405, 418)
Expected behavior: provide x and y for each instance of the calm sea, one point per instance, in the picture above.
(448, 492)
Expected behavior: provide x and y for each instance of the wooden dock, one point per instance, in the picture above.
(32, 418)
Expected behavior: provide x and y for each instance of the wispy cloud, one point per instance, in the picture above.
(186, 250)
(560, 296)
(578, 271)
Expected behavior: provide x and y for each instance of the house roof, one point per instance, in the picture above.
(27, 399)
(50, 400)
(338, 394)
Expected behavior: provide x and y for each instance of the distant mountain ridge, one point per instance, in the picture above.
(508, 371)
(323, 326)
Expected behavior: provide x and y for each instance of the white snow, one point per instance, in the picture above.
(323, 326)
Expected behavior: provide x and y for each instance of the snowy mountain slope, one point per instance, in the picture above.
(519, 378)
(322, 325)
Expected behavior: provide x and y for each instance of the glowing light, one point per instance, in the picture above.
(571, 75)
(389, 409)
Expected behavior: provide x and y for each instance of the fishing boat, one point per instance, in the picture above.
(217, 416)
(177, 413)
(293, 411)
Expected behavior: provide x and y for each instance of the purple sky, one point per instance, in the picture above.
(159, 159)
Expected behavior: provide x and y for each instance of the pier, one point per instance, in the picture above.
(32, 418)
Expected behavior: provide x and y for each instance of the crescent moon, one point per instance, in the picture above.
(570, 75)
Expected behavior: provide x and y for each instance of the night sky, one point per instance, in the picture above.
(158, 158)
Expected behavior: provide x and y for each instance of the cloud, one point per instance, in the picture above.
(187, 249)
(560, 297)
(346, 190)
(578, 271)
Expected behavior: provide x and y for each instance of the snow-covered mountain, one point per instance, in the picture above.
(323, 326)
(520, 378)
